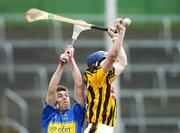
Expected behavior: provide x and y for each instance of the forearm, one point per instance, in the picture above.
(122, 58)
(76, 74)
(117, 45)
(56, 76)
(51, 96)
(113, 52)
(120, 62)
(78, 86)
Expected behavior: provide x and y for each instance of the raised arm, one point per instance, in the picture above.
(121, 62)
(116, 48)
(51, 94)
(76, 74)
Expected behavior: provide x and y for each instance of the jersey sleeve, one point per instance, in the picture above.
(112, 75)
(79, 112)
(86, 77)
(101, 74)
(48, 113)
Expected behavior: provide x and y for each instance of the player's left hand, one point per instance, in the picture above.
(69, 51)
(111, 32)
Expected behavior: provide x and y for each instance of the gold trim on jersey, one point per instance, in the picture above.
(62, 127)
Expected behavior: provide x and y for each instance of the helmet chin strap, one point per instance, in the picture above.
(97, 63)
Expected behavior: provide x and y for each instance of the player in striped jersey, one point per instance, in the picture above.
(103, 68)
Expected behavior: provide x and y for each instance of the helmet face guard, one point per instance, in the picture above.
(96, 57)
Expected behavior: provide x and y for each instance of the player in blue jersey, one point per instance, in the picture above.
(58, 116)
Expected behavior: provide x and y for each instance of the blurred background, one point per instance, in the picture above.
(149, 88)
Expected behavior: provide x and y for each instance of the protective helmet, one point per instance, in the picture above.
(96, 56)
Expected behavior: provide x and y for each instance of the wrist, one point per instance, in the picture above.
(62, 62)
(72, 60)
(61, 66)
(114, 39)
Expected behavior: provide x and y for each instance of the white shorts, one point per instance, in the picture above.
(99, 128)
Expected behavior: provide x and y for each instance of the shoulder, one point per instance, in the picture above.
(90, 72)
(49, 107)
(78, 107)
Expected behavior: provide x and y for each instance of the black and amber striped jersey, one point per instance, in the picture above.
(101, 103)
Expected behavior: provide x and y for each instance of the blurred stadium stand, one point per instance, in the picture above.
(150, 87)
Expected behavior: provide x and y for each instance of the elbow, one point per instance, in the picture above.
(114, 55)
(79, 84)
(51, 91)
(50, 99)
(80, 98)
(126, 63)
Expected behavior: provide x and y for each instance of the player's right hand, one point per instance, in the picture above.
(64, 58)
(119, 25)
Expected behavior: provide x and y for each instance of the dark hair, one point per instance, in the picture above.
(62, 88)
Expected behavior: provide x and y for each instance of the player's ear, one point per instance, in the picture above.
(56, 105)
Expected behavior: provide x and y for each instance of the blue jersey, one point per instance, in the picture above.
(68, 121)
